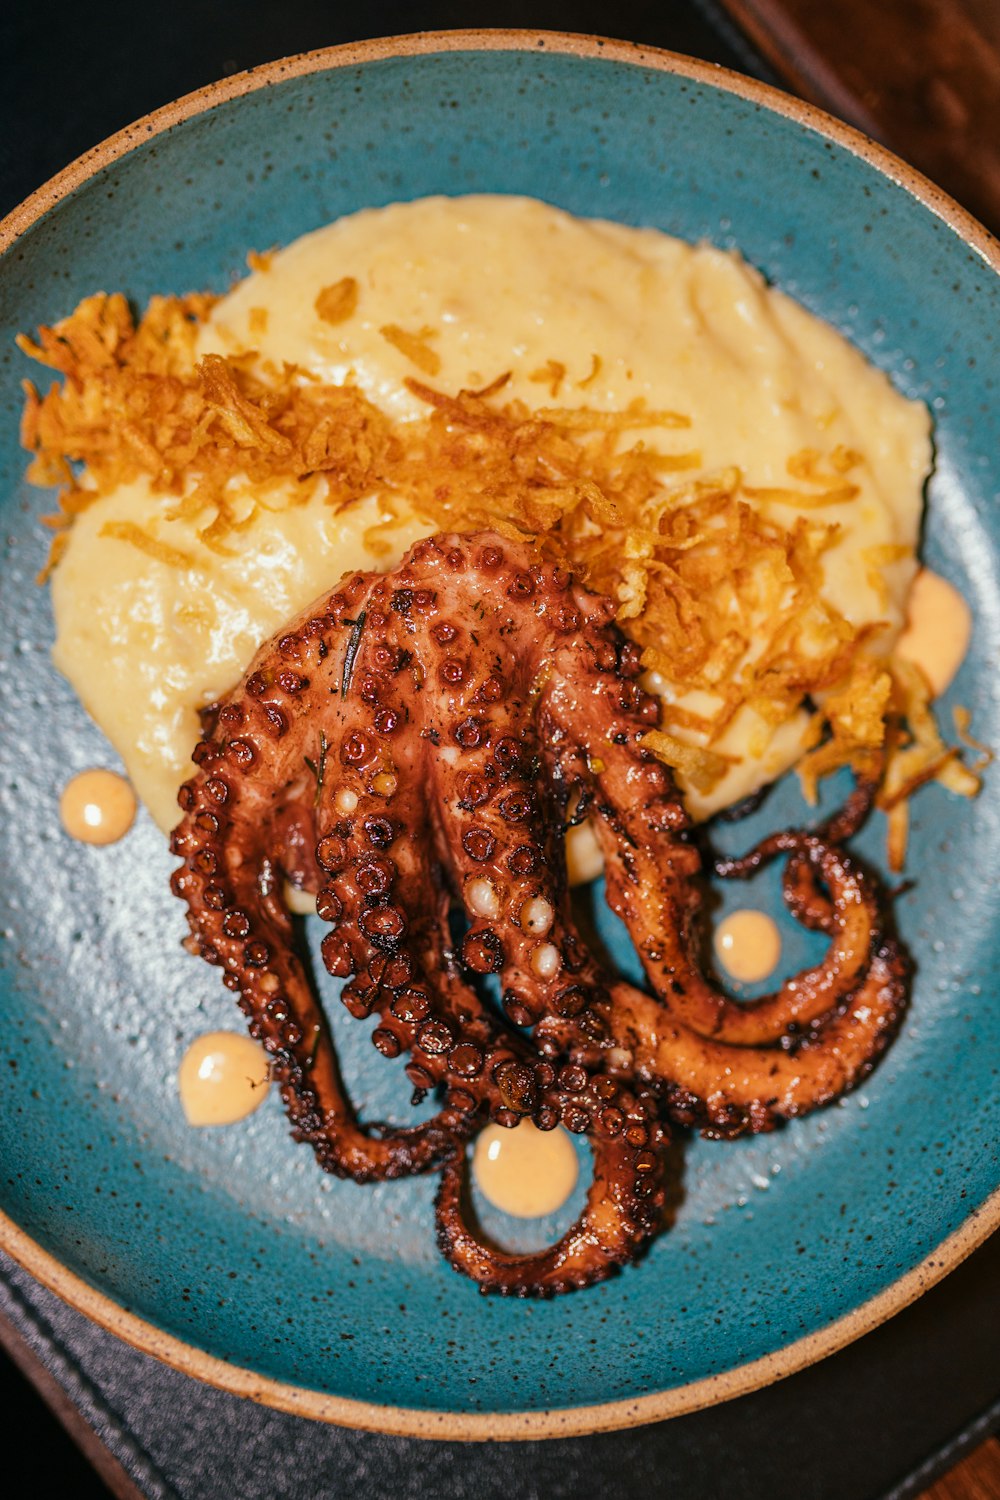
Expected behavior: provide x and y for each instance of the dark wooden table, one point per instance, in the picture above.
(921, 76)
(975, 1478)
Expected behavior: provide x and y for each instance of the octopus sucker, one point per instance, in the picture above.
(410, 750)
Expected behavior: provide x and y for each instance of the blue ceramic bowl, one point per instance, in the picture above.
(228, 1252)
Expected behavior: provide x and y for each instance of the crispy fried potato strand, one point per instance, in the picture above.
(724, 600)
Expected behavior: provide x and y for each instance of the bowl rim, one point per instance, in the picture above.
(555, 1422)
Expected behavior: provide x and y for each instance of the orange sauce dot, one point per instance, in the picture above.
(97, 807)
(748, 945)
(222, 1078)
(937, 631)
(525, 1171)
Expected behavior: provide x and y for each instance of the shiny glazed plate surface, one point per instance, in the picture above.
(228, 1252)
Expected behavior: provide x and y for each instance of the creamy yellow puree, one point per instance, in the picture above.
(525, 1171)
(487, 285)
(146, 644)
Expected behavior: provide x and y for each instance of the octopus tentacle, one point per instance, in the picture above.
(513, 887)
(382, 897)
(669, 952)
(234, 836)
(652, 875)
(804, 896)
(622, 1212)
(243, 924)
(501, 821)
(728, 1091)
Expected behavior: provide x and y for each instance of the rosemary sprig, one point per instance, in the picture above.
(318, 768)
(351, 653)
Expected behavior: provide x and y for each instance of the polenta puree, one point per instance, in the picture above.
(451, 294)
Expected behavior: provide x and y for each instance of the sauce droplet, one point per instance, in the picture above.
(299, 901)
(222, 1078)
(584, 860)
(97, 807)
(937, 630)
(525, 1172)
(748, 945)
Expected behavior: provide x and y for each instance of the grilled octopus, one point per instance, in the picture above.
(414, 744)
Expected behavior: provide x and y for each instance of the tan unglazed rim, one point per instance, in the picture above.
(571, 1421)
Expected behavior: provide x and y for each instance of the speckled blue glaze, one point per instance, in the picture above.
(232, 1239)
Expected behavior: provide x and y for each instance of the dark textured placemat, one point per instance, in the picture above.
(877, 1421)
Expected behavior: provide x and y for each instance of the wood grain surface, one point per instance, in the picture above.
(921, 76)
(976, 1478)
